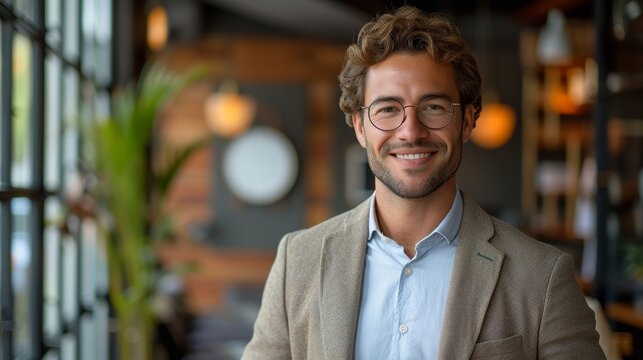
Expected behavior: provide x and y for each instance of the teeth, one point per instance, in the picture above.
(413, 156)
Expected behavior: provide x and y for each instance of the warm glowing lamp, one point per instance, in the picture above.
(558, 98)
(229, 113)
(495, 126)
(157, 28)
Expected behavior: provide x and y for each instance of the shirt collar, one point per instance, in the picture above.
(448, 227)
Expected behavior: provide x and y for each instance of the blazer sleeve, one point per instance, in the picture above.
(270, 339)
(567, 329)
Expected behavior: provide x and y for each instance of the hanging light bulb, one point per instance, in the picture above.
(495, 126)
(227, 112)
(553, 43)
(157, 28)
(497, 121)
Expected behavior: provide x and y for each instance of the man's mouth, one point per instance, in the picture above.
(413, 156)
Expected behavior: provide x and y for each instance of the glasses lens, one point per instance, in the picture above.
(386, 114)
(435, 113)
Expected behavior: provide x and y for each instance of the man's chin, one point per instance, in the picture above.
(416, 188)
(412, 191)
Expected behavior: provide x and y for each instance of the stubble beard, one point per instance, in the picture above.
(442, 173)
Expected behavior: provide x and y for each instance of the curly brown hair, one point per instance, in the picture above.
(408, 29)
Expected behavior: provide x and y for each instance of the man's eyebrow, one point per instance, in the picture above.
(385, 98)
(427, 96)
(439, 95)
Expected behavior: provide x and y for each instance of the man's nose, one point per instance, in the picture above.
(411, 129)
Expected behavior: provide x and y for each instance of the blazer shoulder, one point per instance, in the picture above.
(508, 237)
(530, 265)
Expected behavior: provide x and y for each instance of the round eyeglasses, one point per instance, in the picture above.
(389, 114)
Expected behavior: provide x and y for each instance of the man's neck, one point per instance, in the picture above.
(407, 221)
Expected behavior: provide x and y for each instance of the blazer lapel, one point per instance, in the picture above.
(341, 284)
(475, 273)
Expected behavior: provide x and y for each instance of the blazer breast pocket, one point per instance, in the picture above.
(504, 349)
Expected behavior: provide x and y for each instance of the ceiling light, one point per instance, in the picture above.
(157, 28)
(228, 113)
(553, 43)
(495, 126)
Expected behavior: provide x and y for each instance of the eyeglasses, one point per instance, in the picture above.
(388, 114)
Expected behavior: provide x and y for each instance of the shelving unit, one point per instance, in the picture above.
(582, 175)
(557, 140)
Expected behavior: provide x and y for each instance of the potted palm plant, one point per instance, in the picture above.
(130, 195)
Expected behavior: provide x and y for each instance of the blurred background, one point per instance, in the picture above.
(153, 153)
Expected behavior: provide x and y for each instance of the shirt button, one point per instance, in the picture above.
(404, 329)
(408, 271)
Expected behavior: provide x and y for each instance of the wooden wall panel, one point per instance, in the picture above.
(249, 61)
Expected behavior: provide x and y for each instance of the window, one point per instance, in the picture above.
(55, 61)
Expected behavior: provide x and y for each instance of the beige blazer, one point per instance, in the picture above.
(510, 297)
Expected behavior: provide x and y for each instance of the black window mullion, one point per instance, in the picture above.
(7, 98)
(79, 284)
(6, 291)
(37, 217)
(79, 234)
(73, 326)
(6, 153)
(61, 182)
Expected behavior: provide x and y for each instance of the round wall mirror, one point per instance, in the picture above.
(260, 167)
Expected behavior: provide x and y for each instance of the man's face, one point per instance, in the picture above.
(413, 161)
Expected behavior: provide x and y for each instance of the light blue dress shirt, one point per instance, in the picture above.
(403, 300)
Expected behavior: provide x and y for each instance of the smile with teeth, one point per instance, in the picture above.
(413, 156)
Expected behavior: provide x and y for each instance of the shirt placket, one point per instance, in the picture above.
(402, 309)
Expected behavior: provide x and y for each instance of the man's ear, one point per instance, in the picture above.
(467, 123)
(358, 126)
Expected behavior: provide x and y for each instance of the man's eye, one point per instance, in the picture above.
(387, 110)
(432, 107)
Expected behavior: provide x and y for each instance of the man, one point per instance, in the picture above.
(418, 271)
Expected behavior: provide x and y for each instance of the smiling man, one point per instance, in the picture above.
(418, 271)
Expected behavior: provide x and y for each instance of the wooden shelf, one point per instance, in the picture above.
(625, 313)
(581, 130)
(557, 234)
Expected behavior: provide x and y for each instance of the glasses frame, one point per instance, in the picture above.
(368, 113)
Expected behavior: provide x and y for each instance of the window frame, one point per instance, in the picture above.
(32, 26)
